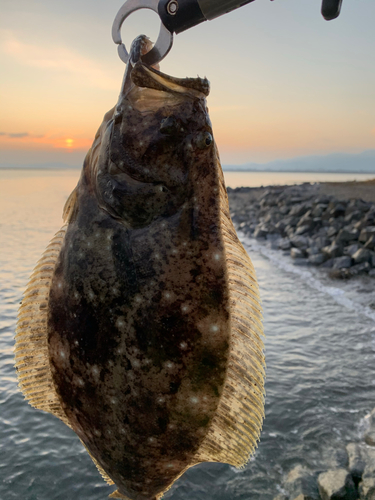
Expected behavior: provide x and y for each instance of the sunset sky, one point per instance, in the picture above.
(284, 82)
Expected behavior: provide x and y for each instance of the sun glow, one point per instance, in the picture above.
(69, 143)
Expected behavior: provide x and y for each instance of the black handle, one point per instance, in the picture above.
(331, 9)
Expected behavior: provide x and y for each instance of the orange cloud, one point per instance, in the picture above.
(60, 59)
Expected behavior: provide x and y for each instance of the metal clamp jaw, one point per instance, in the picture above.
(179, 15)
(165, 39)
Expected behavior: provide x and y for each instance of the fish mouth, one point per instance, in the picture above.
(140, 75)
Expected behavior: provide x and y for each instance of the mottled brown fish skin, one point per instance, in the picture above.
(139, 322)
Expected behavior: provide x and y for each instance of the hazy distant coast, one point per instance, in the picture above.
(356, 163)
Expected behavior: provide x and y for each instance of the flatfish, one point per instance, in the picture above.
(140, 327)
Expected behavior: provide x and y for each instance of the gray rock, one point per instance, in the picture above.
(370, 243)
(317, 259)
(362, 255)
(362, 268)
(301, 481)
(367, 486)
(313, 250)
(284, 244)
(369, 437)
(339, 459)
(356, 460)
(351, 249)
(299, 210)
(353, 216)
(366, 489)
(366, 233)
(296, 253)
(346, 235)
(328, 263)
(371, 273)
(303, 230)
(332, 231)
(342, 262)
(260, 232)
(336, 484)
(318, 210)
(321, 242)
(299, 242)
(361, 224)
(333, 250)
(337, 210)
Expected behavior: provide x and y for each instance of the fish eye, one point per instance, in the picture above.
(204, 140)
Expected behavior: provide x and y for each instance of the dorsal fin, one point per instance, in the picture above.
(31, 349)
(236, 427)
(70, 207)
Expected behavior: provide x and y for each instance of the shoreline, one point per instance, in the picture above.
(330, 226)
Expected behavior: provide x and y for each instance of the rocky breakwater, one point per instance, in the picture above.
(350, 476)
(315, 229)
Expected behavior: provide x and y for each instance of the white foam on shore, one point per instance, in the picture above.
(283, 262)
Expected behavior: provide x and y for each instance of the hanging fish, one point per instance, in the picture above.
(141, 327)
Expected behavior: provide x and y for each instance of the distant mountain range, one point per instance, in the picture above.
(332, 163)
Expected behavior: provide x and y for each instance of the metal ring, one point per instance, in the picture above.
(165, 39)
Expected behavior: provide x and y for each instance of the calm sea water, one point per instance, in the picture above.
(320, 347)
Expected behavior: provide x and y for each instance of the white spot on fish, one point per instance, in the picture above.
(95, 371)
(136, 363)
(167, 295)
(76, 295)
(161, 400)
(169, 466)
(169, 364)
(120, 323)
(80, 382)
(59, 284)
(157, 256)
(175, 251)
(76, 342)
(138, 298)
(97, 432)
(217, 256)
(141, 143)
(194, 400)
(185, 308)
(130, 107)
(91, 295)
(122, 430)
(113, 401)
(214, 328)
(151, 440)
(183, 345)
(62, 355)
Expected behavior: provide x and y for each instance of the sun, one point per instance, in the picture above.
(69, 143)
